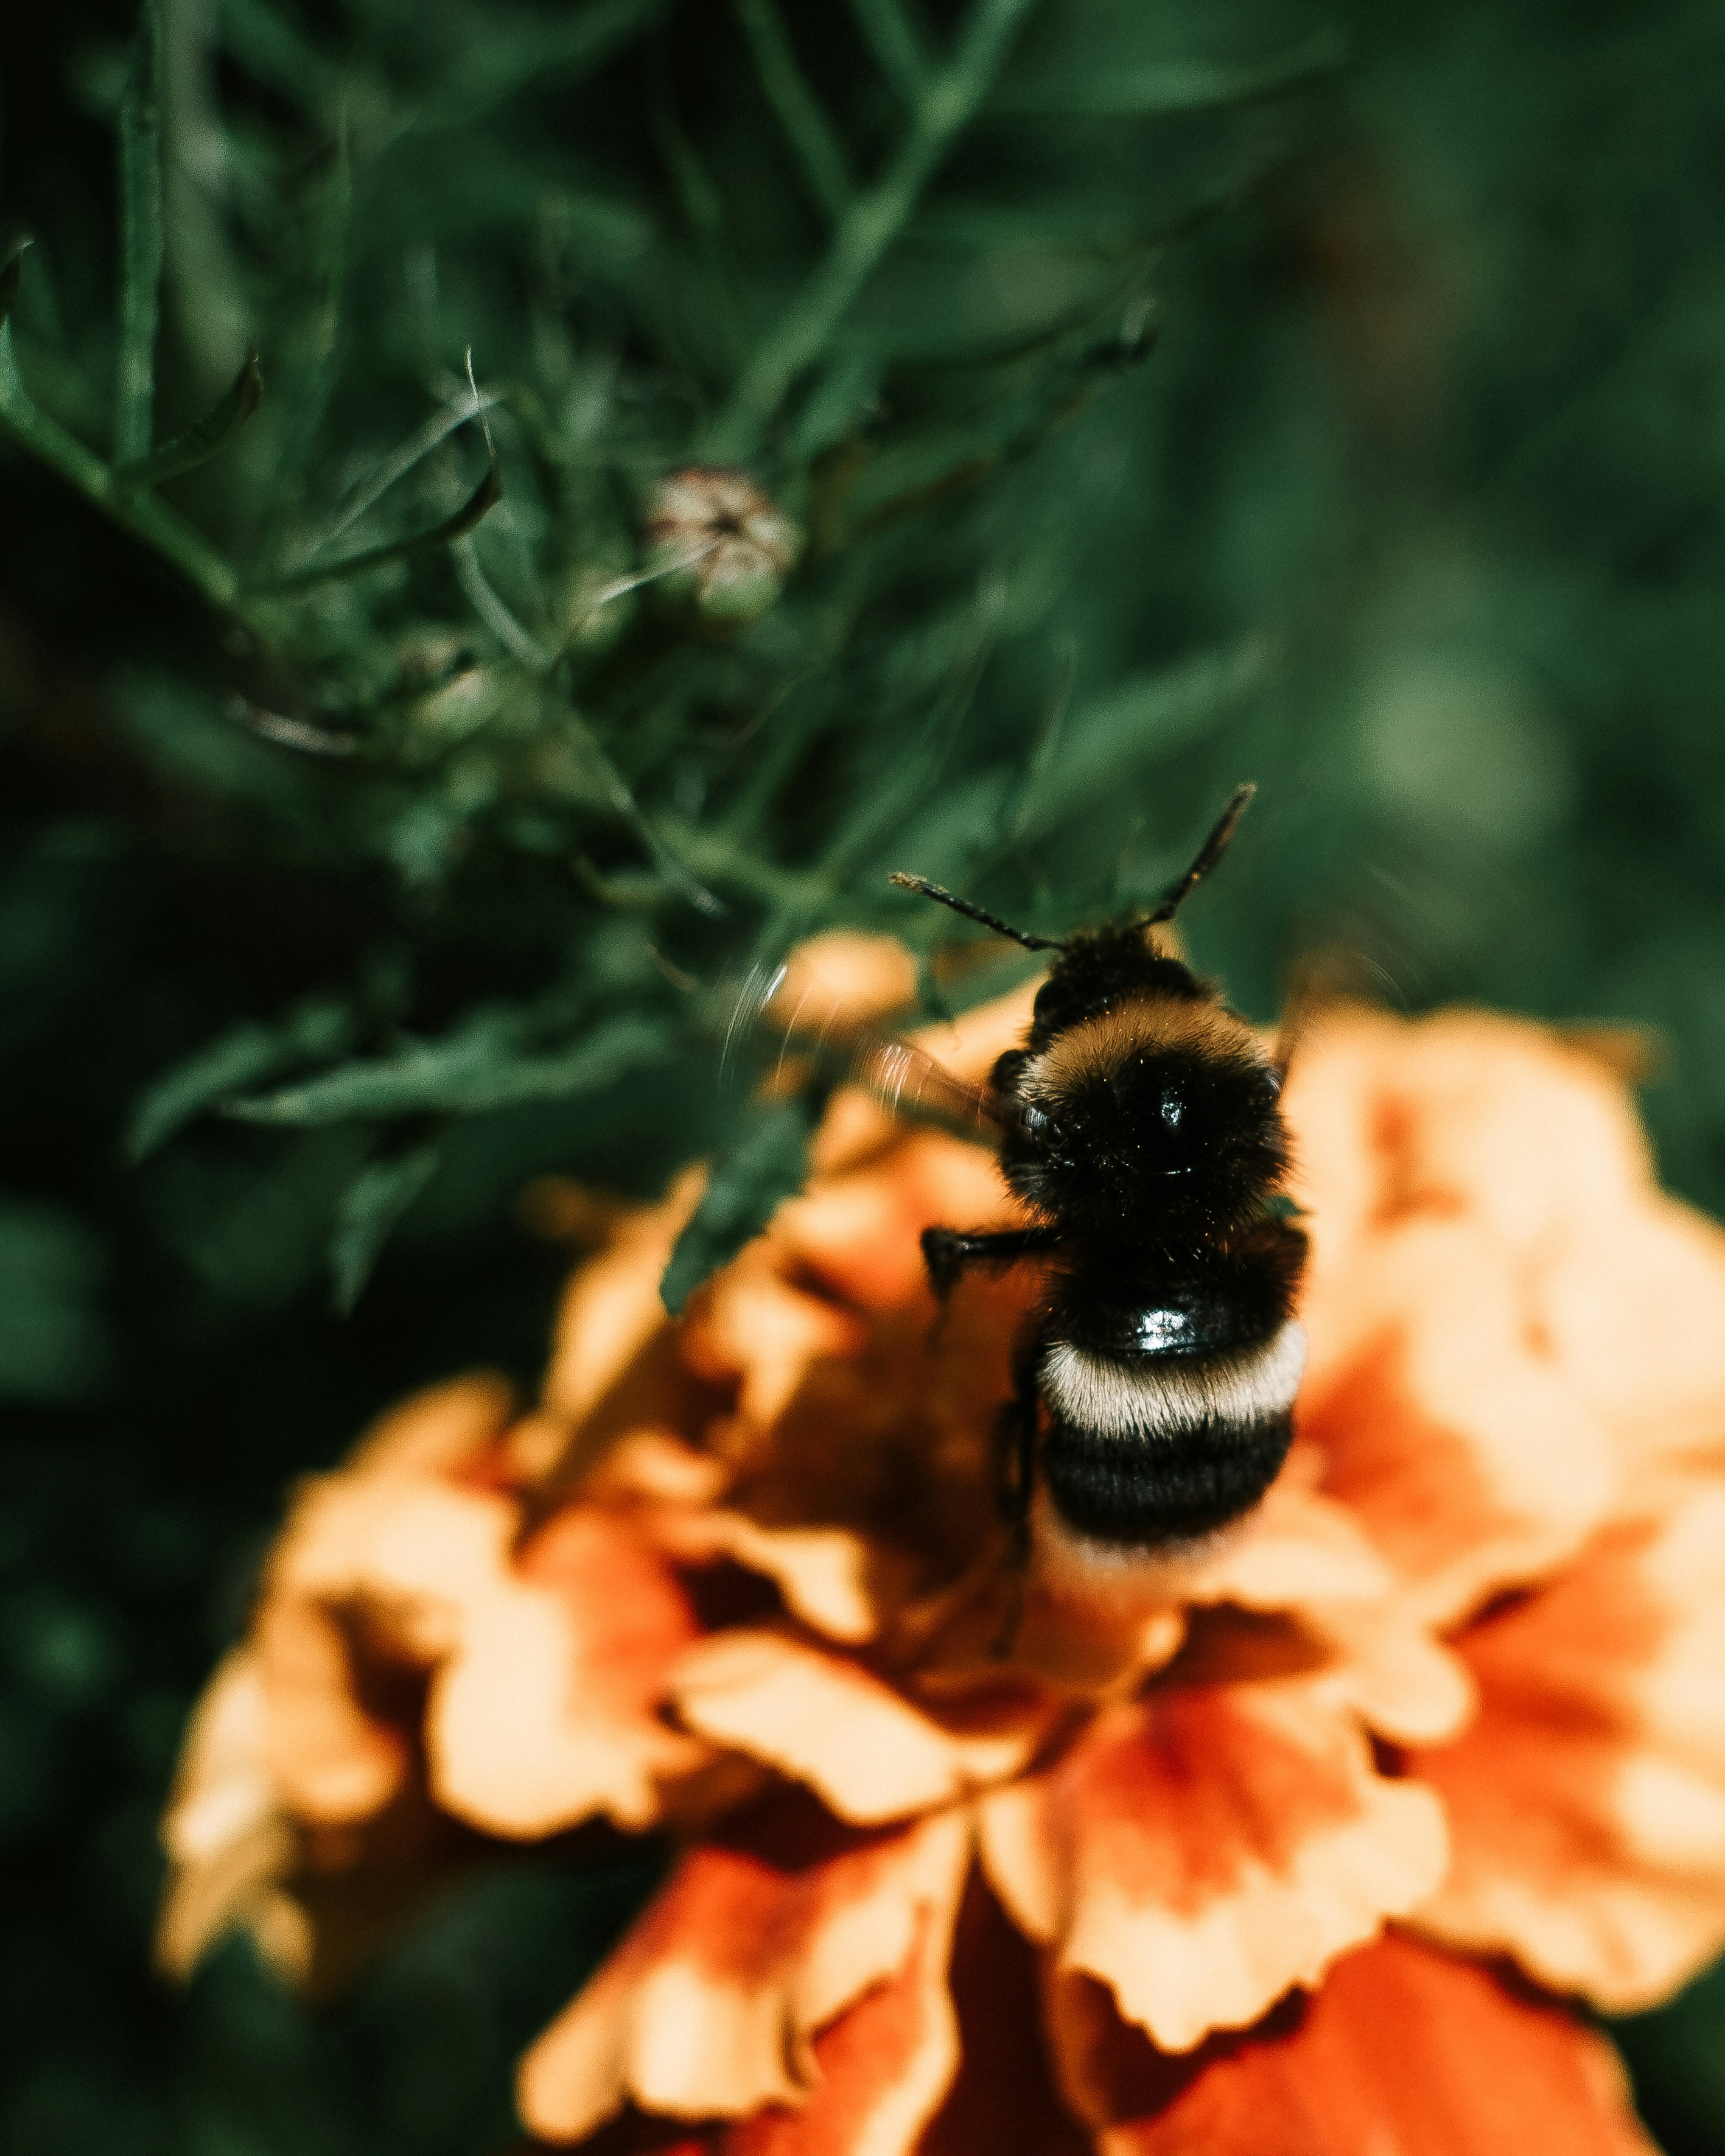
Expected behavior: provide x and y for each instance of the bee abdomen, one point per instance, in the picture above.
(1153, 1448)
(1167, 1396)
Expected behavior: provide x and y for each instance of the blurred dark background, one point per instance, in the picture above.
(1334, 398)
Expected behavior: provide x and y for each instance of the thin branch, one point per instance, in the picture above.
(418, 446)
(618, 585)
(745, 869)
(806, 128)
(139, 242)
(622, 799)
(478, 505)
(899, 51)
(42, 437)
(307, 390)
(519, 642)
(705, 212)
(206, 438)
(866, 231)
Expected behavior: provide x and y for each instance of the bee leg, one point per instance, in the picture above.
(946, 1252)
(1015, 1469)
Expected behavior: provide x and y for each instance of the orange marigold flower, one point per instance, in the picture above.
(1302, 1841)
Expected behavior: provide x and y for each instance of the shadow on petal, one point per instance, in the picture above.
(1003, 2101)
(1404, 2050)
(762, 1936)
(1203, 1849)
(871, 1754)
(1587, 1801)
(879, 2070)
(545, 1713)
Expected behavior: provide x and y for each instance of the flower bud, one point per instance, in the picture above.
(716, 536)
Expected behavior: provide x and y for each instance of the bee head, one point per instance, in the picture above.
(1159, 1116)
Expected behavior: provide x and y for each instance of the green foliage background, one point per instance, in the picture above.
(1170, 392)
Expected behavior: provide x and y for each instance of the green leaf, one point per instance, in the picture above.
(207, 438)
(768, 1165)
(54, 1346)
(485, 498)
(470, 1073)
(244, 1057)
(378, 1197)
(140, 241)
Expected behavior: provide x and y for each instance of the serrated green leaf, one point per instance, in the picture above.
(767, 1164)
(207, 438)
(244, 1057)
(378, 1197)
(467, 1074)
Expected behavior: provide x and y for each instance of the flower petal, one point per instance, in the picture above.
(1403, 2050)
(225, 1832)
(1465, 1115)
(1400, 1681)
(1206, 1847)
(1296, 1549)
(360, 1596)
(857, 1229)
(841, 979)
(435, 1432)
(880, 2068)
(610, 1323)
(317, 1900)
(1003, 2101)
(330, 1759)
(1587, 1802)
(874, 1427)
(862, 1747)
(545, 1713)
(1443, 1422)
(1506, 1315)
(824, 1573)
(752, 1328)
(759, 1939)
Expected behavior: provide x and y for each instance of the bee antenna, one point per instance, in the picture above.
(934, 891)
(1209, 854)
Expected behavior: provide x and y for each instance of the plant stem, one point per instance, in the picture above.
(898, 49)
(140, 243)
(864, 233)
(44, 438)
(806, 126)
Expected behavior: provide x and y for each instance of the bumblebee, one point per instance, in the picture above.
(1140, 1124)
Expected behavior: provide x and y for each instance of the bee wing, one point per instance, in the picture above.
(1321, 978)
(911, 1082)
(904, 1077)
